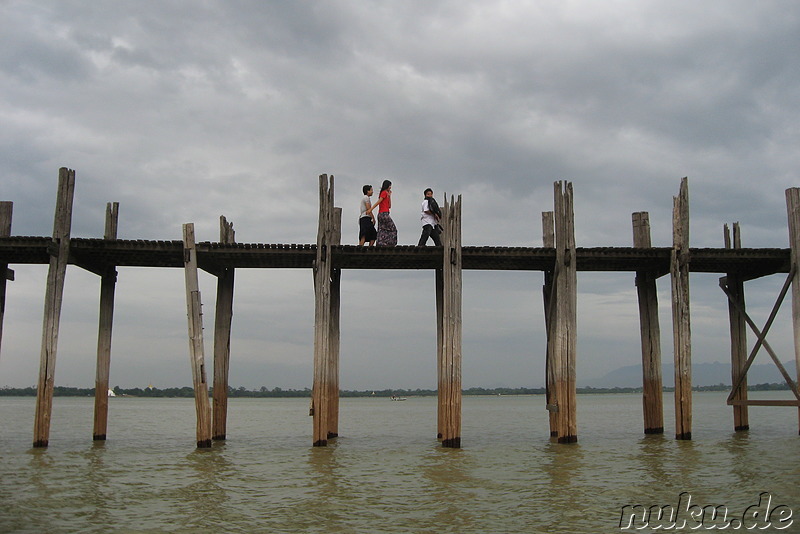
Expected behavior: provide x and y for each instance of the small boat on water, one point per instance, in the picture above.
(111, 393)
(396, 398)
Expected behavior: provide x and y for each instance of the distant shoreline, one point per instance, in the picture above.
(263, 392)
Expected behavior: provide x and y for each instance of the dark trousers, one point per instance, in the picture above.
(429, 231)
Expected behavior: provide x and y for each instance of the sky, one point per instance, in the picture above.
(183, 111)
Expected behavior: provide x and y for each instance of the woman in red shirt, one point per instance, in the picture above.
(387, 231)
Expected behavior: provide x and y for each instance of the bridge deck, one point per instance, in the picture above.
(99, 254)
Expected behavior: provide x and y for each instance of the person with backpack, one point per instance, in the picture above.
(431, 215)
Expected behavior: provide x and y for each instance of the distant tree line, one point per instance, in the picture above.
(264, 392)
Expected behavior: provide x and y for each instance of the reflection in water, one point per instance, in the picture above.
(446, 471)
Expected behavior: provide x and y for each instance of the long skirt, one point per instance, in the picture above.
(387, 231)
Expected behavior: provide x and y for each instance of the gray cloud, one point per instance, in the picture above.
(184, 111)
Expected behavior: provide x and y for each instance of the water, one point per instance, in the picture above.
(387, 472)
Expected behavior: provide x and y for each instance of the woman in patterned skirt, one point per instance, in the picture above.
(387, 231)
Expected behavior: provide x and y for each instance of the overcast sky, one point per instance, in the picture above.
(183, 111)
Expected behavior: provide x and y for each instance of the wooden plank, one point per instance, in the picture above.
(756, 402)
(6, 210)
(223, 319)
(194, 309)
(681, 323)
(52, 306)
(738, 333)
(108, 283)
(650, 333)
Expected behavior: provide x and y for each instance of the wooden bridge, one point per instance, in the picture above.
(559, 260)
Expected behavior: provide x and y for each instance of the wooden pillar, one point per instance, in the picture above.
(108, 282)
(681, 324)
(320, 393)
(194, 309)
(548, 293)
(738, 328)
(6, 209)
(222, 336)
(59, 256)
(450, 377)
(334, 336)
(793, 210)
(439, 352)
(652, 385)
(564, 333)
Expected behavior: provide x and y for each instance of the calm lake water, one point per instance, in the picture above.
(387, 472)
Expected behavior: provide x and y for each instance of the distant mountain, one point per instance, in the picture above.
(703, 374)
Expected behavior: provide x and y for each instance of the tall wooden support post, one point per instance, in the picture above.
(738, 324)
(793, 209)
(681, 324)
(564, 315)
(6, 209)
(450, 364)
(222, 336)
(333, 336)
(652, 394)
(321, 389)
(194, 309)
(59, 255)
(439, 351)
(108, 282)
(549, 241)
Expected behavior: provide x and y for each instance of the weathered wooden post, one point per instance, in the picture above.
(194, 309)
(440, 349)
(334, 336)
(59, 256)
(548, 292)
(449, 390)
(6, 209)
(681, 324)
(793, 209)
(738, 329)
(108, 281)
(321, 389)
(564, 315)
(652, 394)
(222, 336)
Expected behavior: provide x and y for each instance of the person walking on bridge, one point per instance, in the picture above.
(387, 231)
(431, 214)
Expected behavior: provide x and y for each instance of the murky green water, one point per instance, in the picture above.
(386, 473)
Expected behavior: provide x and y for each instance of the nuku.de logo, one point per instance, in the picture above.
(688, 516)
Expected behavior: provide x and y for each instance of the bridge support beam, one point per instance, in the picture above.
(563, 317)
(793, 209)
(681, 324)
(650, 331)
(326, 322)
(59, 256)
(108, 282)
(222, 337)
(549, 241)
(194, 308)
(738, 329)
(449, 319)
(6, 209)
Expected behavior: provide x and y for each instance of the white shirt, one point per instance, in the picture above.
(365, 202)
(427, 218)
